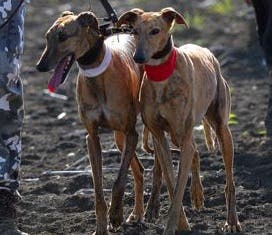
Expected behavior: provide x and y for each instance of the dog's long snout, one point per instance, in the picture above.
(42, 67)
(47, 60)
(139, 57)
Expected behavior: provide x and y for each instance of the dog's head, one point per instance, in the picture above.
(69, 38)
(151, 29)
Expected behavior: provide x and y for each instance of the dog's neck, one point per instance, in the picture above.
(92, 55)
(166, 50)
(163, 63)
(95, 61)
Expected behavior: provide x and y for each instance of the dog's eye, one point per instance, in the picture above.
(154, 31)
(62, 36)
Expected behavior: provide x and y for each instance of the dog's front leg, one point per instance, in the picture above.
(153, 205)
(176, 208)
(163, 155)
(162, 149)
(138, 175)
(94, 150)
(116, 208)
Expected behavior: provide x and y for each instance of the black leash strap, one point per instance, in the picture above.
(12, 14)
(112, 16)
(105, 28)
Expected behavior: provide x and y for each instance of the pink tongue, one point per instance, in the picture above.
(56, 78)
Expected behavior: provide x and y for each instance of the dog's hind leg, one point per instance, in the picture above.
(224, 136)
(153, 205)
(137, 171)
(218, 116)
(128, 153)
(138, 175)
(94, 150)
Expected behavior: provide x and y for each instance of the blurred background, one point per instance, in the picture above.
(54, 138)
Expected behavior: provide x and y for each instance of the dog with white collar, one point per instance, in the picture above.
(107, 94)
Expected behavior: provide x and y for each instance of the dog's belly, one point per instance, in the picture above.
(203, 98)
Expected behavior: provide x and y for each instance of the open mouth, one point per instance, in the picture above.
(61, 72)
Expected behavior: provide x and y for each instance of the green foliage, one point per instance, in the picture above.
(261, 132)
(222, 7)
(233, 119)
(232, 116)
(233, 122)
(195, 20)
(245, 134)
(231, 89)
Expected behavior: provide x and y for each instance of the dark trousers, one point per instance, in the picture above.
(11, 100)
(263, 11)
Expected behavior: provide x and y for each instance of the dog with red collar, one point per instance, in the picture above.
(182, 87)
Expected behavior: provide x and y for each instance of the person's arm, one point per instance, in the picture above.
(12, 38)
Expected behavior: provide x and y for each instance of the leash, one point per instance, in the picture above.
(12, 14)
(112, 16)
(106, 29)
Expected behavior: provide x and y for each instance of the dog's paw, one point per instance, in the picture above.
(135, 217)
(232, 228)
(98, 233)
(101, 231)
(197, 200)
(152, 212)
(197, 196)
(115, 218)
(169, 231)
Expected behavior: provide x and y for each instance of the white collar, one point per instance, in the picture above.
(93, 72)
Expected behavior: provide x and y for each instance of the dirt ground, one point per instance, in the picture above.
(54, 138)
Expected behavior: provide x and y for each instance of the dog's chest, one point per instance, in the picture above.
(93, 104)
(100, 114)
(164, 98)
(160, 95)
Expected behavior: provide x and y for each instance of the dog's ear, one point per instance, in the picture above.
(129, 17)
(86, 19)
(66, 13)
(169, 14)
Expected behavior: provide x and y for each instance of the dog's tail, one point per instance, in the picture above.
(210, 136)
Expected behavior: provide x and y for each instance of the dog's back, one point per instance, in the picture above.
(121, 42)
(207, 77)
(123, 46)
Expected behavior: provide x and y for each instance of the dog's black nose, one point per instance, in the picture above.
(41, 68)
(139, 58)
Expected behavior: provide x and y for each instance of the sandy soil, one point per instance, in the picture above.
(54, 138)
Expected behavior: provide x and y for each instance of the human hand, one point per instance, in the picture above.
(14, 84)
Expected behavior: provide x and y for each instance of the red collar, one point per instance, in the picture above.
(158, 73)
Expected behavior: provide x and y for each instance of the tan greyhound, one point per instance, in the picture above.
(181, 87)
(107, 94)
